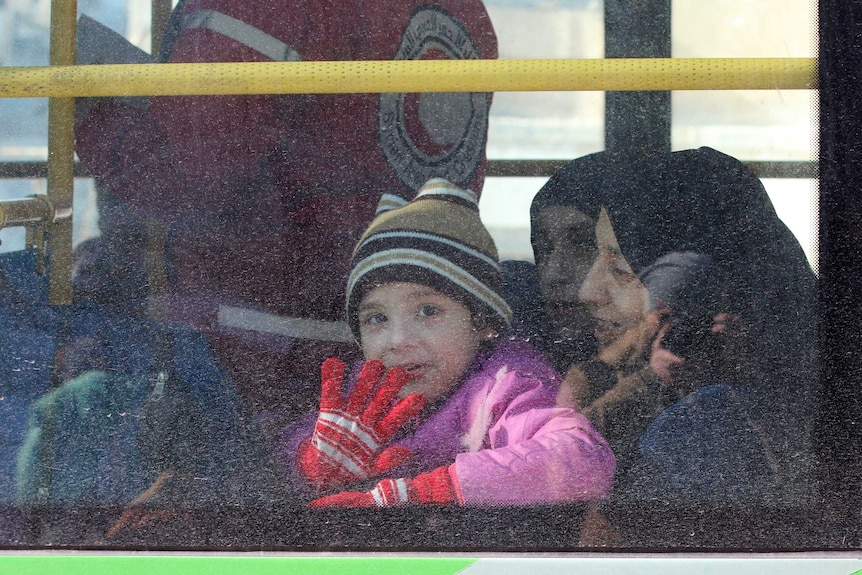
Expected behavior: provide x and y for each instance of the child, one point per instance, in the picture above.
(475, 421)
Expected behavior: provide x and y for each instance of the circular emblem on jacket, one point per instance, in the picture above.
(430, 135)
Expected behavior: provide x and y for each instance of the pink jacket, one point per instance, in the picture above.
(510, 444)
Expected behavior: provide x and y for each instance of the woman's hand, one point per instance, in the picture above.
(628, 388)
(640, 350)
(722, 350)
(664, 363)
(633, 346)
(575, 389)
(628, 350)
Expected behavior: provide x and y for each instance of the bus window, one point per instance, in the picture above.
(154, 410)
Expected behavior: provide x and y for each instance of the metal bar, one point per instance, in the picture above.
(160, 11)
(157, 308)
(620, 74)
(27, 212)
(546, 168)
(61, 154)
(638, 120)
(23, 170)
(496, 169)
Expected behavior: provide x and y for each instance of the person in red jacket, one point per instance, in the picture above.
(264, 196)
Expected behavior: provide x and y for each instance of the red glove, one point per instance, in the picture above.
(438, 486)
(346, 444)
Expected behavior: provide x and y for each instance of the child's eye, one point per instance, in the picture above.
(373, 319)
(428, 311)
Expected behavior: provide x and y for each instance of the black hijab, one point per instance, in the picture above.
(665, 208)
(701, 202)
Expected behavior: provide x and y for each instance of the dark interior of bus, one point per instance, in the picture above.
(633, 120)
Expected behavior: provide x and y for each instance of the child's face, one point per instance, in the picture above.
(422, 330)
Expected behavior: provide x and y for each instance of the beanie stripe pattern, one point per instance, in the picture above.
(436, 240)
(389, 202)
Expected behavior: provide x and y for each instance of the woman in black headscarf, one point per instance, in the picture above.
(702, 306)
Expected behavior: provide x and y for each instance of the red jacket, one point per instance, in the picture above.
(265, 196)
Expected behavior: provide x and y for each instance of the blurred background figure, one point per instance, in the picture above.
(109, 403)
(264, 196)
(563, 240)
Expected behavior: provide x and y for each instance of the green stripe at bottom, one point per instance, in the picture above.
(226, 565)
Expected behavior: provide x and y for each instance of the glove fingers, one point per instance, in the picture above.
(368, 378)
(408, 407)
(331, 377)
(380, 404)
(390, 458)
(436, 486)
(345, 499)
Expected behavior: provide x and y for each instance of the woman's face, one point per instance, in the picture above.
(615, 297)
(567, 239)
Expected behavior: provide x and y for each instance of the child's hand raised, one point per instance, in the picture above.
(348, 438)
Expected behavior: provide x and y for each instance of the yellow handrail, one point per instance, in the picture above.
(61, 153)
(62, 81)
(26, 212)
(615, 74)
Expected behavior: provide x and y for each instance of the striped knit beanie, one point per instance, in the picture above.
(437, 240)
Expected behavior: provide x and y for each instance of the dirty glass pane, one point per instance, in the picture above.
(206, 467)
